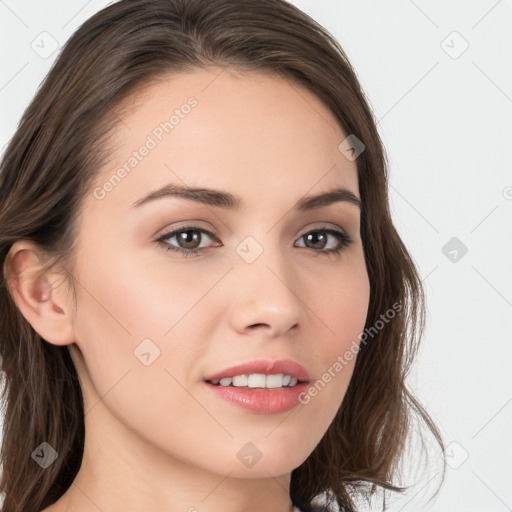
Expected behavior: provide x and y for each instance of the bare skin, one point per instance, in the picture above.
(156, 438)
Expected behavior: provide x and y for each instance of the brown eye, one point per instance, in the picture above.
(318, 239)
(188, 239)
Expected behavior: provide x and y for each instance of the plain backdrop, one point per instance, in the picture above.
(438, 76)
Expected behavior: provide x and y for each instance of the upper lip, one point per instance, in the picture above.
(284, 366)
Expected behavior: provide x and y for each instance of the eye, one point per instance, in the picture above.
(319, 239)
(189, 240)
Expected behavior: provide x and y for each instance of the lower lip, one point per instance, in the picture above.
(261, 400)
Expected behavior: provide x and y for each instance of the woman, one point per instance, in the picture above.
(205, 305)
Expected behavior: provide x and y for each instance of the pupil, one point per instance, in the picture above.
(316, 235)
(189, 239)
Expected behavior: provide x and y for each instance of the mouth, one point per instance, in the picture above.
(261, 373)
(261, 386)
(258, 380)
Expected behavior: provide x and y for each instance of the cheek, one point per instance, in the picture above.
(125, 313)
(340, 307)
(123, 297)
(123, 323)
(143, 324)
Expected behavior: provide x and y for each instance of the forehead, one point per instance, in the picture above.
(249, 133)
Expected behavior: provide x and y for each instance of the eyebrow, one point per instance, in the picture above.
(228, 201)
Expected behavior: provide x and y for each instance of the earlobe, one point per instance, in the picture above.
(40, 297)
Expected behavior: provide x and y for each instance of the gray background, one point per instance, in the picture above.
(444, 112)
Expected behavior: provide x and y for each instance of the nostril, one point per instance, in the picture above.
(256, 325)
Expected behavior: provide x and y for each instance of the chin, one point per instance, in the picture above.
(268, 457)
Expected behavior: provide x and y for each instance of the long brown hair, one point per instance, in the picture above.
(50, 164)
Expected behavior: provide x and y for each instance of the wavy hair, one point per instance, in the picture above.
(51, 162)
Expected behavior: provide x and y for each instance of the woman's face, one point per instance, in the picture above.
(255, 282)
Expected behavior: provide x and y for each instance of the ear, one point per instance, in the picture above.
(42, 298)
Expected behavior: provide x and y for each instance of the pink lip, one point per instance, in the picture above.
(260, 400)
(284, 366)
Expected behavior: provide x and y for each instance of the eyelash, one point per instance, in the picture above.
(342, 237)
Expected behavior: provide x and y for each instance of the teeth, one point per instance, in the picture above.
(258, 380)
(240, 381)
(274, 381)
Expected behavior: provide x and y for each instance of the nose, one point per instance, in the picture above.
(266, 298)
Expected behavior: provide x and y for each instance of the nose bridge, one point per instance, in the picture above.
(266, 290)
